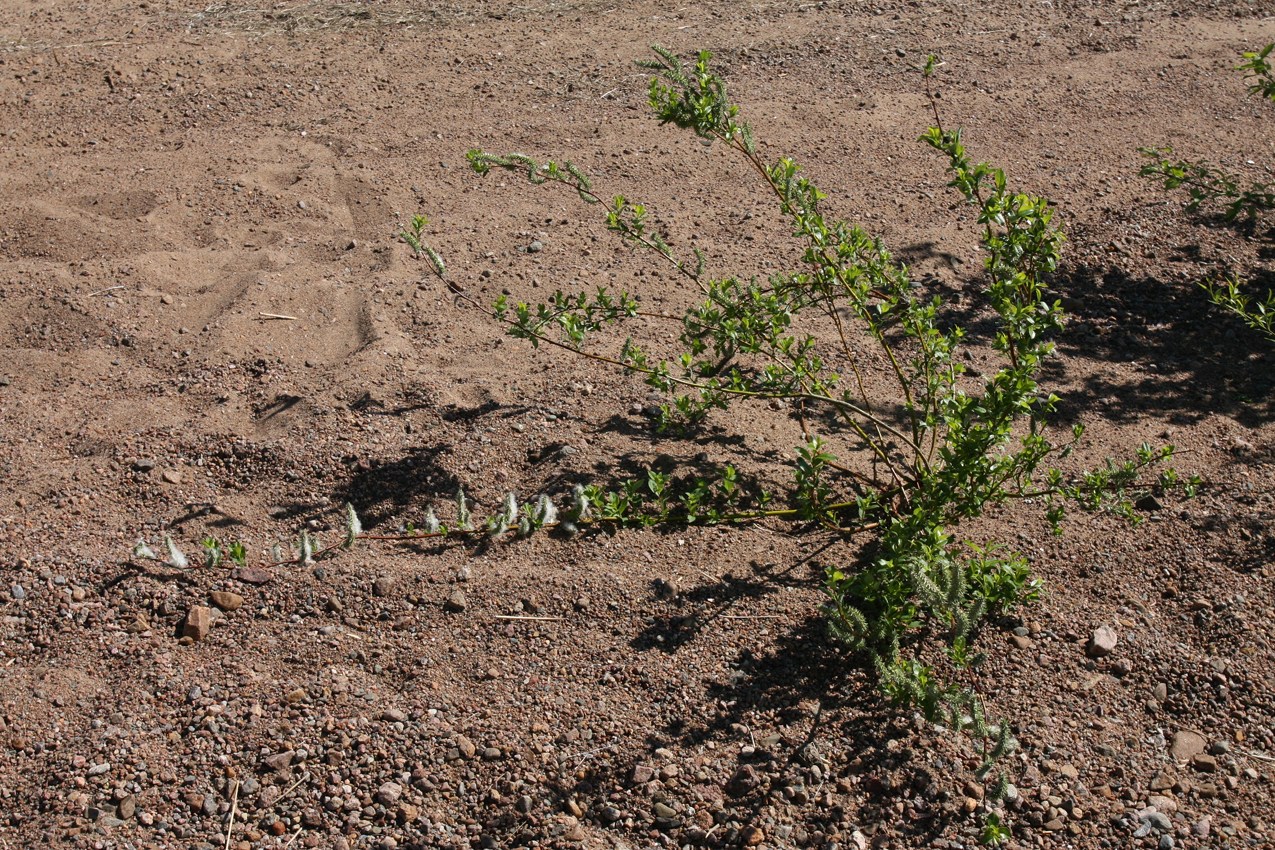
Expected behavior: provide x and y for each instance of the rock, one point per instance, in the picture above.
(456, 602)
(1166, 842)
(389, 793)
(295, 696)
(1204, 763)
(1200, 829)
(198, 622)
(1156, 820)
(100, 769)
(1022, 642)
(1186, 743)
(1054, 825)
(225, 600)
(1101, 642)
(466, 747)
(393, 715)
(17, 592)
(383, 586)
(751, 836)
(277, 762)
(642, 774)
(144, 464)
(1161, 803)
(745, 779)
(253, 575)
(126, 807)
(1161, 692)
(1162, 781)
(172, 476)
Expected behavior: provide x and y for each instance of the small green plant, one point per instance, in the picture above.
(994, 832)
(1257, 67)
(955, 450)
(413, 235)
(1206, 185)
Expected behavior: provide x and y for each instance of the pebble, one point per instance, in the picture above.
(99, 769)
(198, 622)
(389, 793)
(225, 600)
(1185, 744)
(456, 602)
(1101, 642)
(393, 715)
(383, 586)
(17, 592)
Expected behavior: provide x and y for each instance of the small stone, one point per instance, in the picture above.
(393, 715)
(144, 464)
(1101, 642)
(1069, 771)
(277, 762)
(492, 754)
(752, 836)
(17, 592)
(225, 600)
(1156, 820)
(1166, 842)
(466, 747)
(1186, 743)
(99, 769)
(1160, 692)
(582, 603)
(253, 575)
(198, 622)
(407, 813)
(745, 779)
(1162, 781)
(536, 247)
(172, 476)
(389, 793)
(1201, 828)
(1204, 763)
(126, 807)
(664, 810)
(642, 774)
(1021, 641)
(383, 586)
(296, 695)
(456, 602)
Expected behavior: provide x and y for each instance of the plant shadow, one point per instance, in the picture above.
(1188, 360)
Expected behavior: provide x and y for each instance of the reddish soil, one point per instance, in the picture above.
(177, 176)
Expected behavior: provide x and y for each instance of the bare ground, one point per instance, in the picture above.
(177, 177)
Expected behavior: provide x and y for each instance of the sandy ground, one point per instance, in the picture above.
(209, 327)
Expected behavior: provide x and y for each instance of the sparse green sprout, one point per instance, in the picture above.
(175, 556)
(431, 525)
(414, 237)
(1257, 67)
(238, 553)
(463, 521)
(994, 832)
(353, 527)
(212, 551)
(307, 547)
